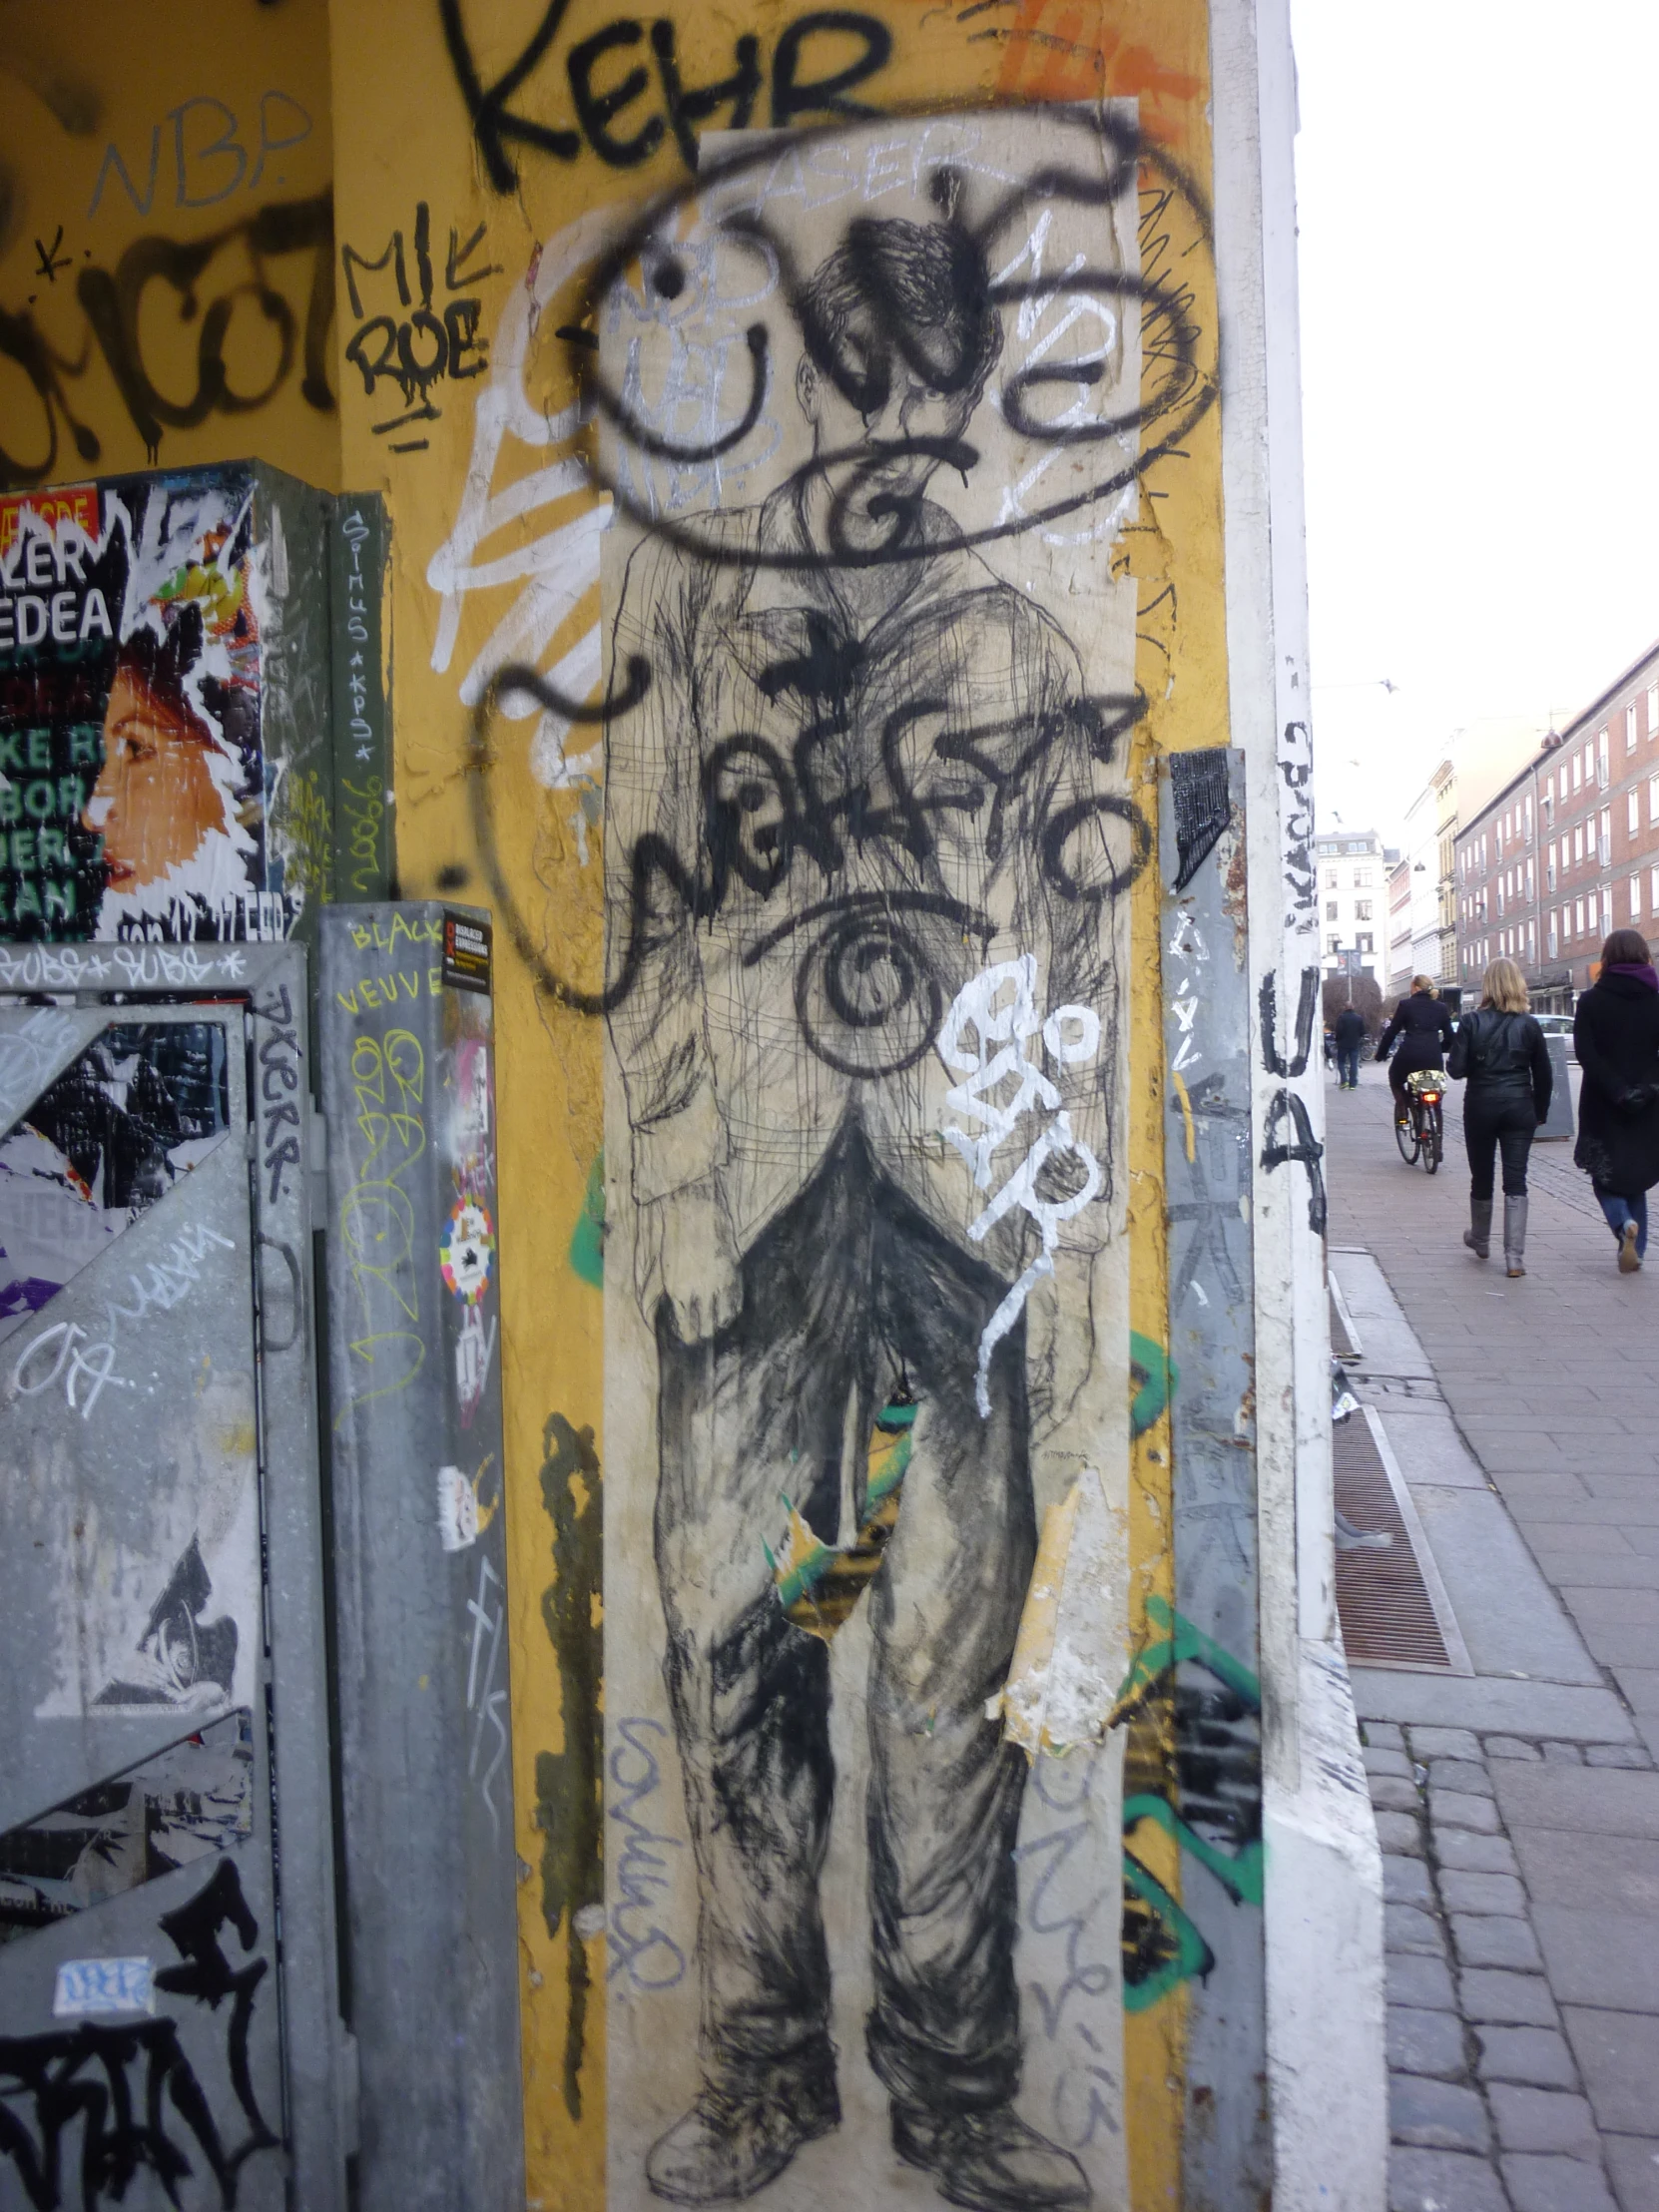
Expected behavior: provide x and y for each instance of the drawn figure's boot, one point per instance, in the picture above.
(1479, 1235)
(989, 2161)
(727, 2147)
(1514, 1235)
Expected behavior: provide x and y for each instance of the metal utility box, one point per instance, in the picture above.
(1563, 1095)
(404, 1019)
(169, 2024)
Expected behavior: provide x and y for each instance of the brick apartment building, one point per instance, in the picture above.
(1569, 847)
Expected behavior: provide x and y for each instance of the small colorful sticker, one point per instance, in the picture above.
(465, 1253)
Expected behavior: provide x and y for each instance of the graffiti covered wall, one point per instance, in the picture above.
(856, 497)
(166, 243)
(590, 426)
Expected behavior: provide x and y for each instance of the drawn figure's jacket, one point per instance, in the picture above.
(816, 840)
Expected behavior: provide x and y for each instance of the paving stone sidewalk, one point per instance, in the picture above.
(1522, 1871)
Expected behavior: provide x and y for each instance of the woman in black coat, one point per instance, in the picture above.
(1423, 1028)
(1499, 1051)
(1615, 1034)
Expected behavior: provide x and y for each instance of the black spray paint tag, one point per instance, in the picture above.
(466, 954)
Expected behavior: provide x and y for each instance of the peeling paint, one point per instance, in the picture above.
(1059, 1691)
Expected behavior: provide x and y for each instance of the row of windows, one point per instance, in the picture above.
(1587, 765)
(1584, 843)
(1510, 945)
(1363, 944)
(1361, 909)
(1590, 916)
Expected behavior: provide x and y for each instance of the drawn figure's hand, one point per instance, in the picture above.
(684, 1251)
(1059, 1341)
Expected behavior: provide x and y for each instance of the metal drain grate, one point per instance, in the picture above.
(1343, 1341)
(1388, 1617)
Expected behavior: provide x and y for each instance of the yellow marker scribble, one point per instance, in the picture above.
(1186, 1112)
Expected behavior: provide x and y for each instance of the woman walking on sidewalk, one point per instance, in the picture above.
(1499, 1051)
(1424, 1026)
(1615, 1034)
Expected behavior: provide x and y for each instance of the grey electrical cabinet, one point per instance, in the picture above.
(404, 1021)
(170, 2033)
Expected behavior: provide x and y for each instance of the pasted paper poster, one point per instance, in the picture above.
(869, 415)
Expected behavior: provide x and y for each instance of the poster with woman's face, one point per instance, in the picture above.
(131, 778)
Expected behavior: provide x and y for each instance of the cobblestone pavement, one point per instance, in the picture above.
(1521, 1870)
(1493, 2070)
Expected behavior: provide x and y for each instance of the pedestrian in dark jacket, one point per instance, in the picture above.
(1499, 1052)
(1615, 1032)
(1423, 1028)
(1349, 1035)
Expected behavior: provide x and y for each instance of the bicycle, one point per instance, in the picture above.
(1421, 1135)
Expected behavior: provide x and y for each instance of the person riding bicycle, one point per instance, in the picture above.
(1423, 1026)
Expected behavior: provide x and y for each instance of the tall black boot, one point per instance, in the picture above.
(1479, 1235)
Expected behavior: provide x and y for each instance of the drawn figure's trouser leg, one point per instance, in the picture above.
(945, 1788)
(758, 1410)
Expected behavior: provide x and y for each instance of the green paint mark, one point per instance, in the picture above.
(1241, 1876)
(1161, 1947)
(568, 1782)
(1155, 1379)
(1180, 1640)
(587, 1239)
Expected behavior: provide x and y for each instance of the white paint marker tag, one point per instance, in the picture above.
(93, 1985)
(457, 1511)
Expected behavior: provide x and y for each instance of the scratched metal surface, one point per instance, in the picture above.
(1215, 1799)
(430, 1887)
(162, 1821)
(131, 1593)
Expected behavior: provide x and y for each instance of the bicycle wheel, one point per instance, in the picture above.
(1405, 1136)
(1433, 1139)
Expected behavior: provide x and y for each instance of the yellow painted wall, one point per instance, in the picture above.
(398, 153)
(166, 247)
(181, 107)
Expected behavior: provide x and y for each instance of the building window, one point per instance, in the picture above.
(1362, 878)
(1630, 729)
(1653, 710)
(1635, 898)
(1578, 917)
(1578, 841)
(1363, 940)
(1605, 848)
(1361, 909)
(1633, 812)
(1330, 879)
(1606, 910)
(1332, 944)
(1653, 889)
(1577, 771)
(1331, 909)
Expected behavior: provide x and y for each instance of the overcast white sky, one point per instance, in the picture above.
(1478, 203)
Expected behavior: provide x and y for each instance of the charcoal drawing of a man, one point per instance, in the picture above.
(864, 787)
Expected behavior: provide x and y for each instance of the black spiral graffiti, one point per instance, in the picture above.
(868, 972)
